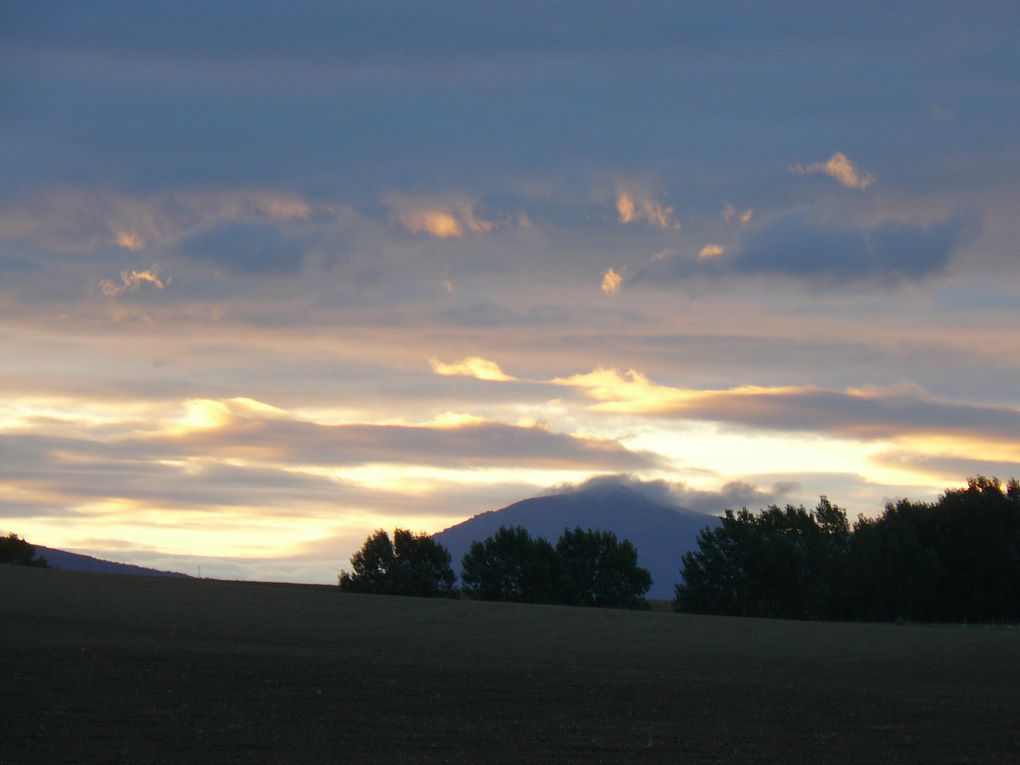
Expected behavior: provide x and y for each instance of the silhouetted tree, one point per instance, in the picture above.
(955, 560)
(511, 565)
(599, 570)
(782, 562)
(895, 564)
(980, 551)
(410, 564)
(14, 549)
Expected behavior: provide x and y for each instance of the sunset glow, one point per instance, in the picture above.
(370, 277)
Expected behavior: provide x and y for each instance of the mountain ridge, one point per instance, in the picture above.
(662, 533)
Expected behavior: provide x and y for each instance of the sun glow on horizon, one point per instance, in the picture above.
(400, 281)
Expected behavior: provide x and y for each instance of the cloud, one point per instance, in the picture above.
(825, 255)
(451, 219)
(444, 445)
(241, 455)
(889, 253)
(133, 280)
(733, 494)
(731, 214)
(489, 314)
(625, 208)
(840, 169)
(246, 247)
(632, 208)
(129, 241)
(82, 220)
(153, 481)
(949, 468)
(711, 251)
(437, 223)
(471, 366)
(632, 392)
(284, 209)
(522, 221)
(236, 430)
(611, 282)
(900, 412)
(59, 475)
(475, 224)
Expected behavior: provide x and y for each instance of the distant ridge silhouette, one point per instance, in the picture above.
(68, 561)
(661, 533)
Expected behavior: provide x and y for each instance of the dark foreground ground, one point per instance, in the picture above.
(98, 668)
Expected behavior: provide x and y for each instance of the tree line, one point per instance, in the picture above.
(953, 560)
(585, 568)
(15, 550)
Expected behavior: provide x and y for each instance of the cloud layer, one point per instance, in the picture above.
(832, 256)
(434, 240)
(856, 413)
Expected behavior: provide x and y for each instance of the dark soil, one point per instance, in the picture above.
(104, 669)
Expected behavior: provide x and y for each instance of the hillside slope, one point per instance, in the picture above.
(68, 561)
(661, 534)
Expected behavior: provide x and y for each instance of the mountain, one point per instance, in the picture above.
(660, 532)
(66, 561)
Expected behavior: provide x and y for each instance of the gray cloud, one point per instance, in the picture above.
(830, 256)
(255, 248)
(14, 265)
(51, 476)
(71, 471)
(734, 494)
(488, 444)
(881, 414)
(490, 314)
(891, 252)
(163, 470)
(322, 32)
(860, 415)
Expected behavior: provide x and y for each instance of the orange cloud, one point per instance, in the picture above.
(129, 241)
(437, 223)
(840, 169)
(711, 251)
(611, 282)
(132, 280)
(633, 208)
(471, 366)
(630, 392)
(443, 220)
(625, 208)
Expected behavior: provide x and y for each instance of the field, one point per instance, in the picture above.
(100, 668)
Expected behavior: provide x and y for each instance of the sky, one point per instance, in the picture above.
(274, 275)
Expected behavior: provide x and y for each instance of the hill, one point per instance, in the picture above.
(123, 669)
(661, 533)
(68, 561)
